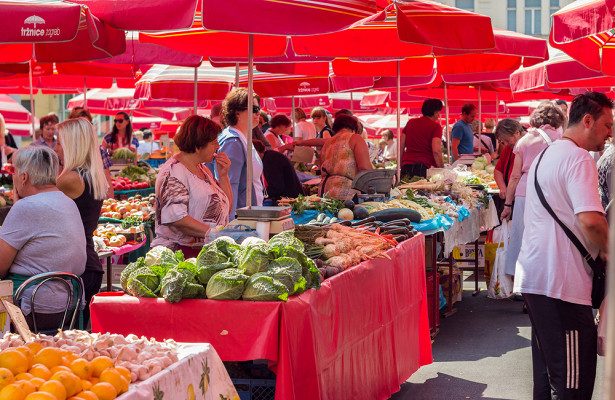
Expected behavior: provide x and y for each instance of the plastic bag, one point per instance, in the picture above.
(500, 285)
(602, 328)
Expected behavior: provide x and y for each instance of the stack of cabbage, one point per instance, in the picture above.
(255, 270)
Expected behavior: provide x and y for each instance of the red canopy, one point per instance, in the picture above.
(584, 30)
(59, 31)
(13, 111)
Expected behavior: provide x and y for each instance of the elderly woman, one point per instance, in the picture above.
(121, 135)
(390, 151)
(42, 232)
(83, 180)
(48, 131)
(234, 143)
(546, 122)
(190, 202)
(508, 132)
(343, 156)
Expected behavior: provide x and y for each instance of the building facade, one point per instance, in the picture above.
(532, 17)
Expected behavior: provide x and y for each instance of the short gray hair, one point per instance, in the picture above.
(507, 127)
(547, 113)
(39, 162)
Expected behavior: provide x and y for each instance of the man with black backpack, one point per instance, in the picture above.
(565, 239)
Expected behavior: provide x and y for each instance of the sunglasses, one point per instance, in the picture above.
(119, 120)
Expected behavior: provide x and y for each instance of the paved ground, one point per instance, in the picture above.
(482, 352)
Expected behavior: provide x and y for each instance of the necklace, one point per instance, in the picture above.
(572, 140)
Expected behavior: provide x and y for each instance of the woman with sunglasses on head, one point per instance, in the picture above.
(121, 135)
(233, 142)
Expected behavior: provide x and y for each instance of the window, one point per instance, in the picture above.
(553, 6)
(533, 21)
(511, 10)
(465, 4)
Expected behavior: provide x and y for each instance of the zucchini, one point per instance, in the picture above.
(398, 222)
(400, 238)
(395, 231)
(393, 214)
(364, 221)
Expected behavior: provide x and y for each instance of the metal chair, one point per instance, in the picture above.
(74, 288)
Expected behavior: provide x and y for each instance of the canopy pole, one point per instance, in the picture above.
(250, 172)
(449, 146)
(351, 103)
(497, 108)
(398, 120)
(196, 90)
(85, 93)
(31, 79)
(236, 75)
(609, 364)
(292, 114)
(480, 114)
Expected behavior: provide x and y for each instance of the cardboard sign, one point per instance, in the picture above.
(18, 320)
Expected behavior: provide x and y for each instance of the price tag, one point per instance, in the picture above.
(18, 320)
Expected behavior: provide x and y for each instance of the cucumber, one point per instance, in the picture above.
(393, 214)
(321, 217)
(327, 220)
(364, 221)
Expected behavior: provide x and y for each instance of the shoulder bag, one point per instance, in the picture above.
(597, 265)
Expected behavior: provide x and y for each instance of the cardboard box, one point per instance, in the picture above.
(6, 293)
(466, 251)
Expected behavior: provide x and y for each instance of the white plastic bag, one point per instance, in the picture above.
(500, 285)
(602, 328)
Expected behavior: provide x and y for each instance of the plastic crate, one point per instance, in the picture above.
(255, 389)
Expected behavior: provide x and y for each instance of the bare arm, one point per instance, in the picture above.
(455, 145)
(225, 184)
(436, 149)
(191, 227)
(110, 182)
(361, 153)
(71, 184)
(316, 142)
(595, 228)
(499, 179)
(7, 255)
(515, 176)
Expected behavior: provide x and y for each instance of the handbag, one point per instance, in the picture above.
(597, 265)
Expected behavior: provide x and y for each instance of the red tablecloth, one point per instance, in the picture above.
(361, 335)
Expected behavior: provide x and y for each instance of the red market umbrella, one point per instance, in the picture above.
(584, 30)
(13, 111)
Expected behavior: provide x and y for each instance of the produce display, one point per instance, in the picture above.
(313, 202)
(115, 235)
(224, 270)
(133, 177)
(78, 365)
(138, 207)
(121, 183)
(124, 155)
(6, 197)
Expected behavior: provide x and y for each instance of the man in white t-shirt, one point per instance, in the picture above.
(551, 274)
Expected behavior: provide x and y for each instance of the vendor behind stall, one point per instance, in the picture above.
(43, 232)
(343, 156)
(121, 136)
(189, 200)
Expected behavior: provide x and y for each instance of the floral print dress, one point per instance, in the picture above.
(339, 167)
(180, 193)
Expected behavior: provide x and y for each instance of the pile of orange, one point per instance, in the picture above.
(33, 372)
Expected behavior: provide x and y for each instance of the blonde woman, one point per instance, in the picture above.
(83, 180)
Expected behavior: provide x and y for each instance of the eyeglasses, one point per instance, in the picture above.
(118, 121)
(255, 109)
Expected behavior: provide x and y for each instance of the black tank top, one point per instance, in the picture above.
(89, 209)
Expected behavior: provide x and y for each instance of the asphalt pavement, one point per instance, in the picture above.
(481, 352)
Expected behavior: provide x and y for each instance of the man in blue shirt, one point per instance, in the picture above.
(462, 135)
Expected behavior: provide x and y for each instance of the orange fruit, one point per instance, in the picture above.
(55, 388)
(6, 377)
(49, 357)
(94, 381)
(104, 391)
(14, 360)
(59, 368)
(40, 371)
(24, 376)
(113, 376)
(125, 373)
(13, 392)
(40, 396)
(27, 386)
(37, 382)
(71, 382)
(69, 358)
(34, 347)
(86, 395)
(26, 352)
(82, 368)
(85, 384)
(99, 364)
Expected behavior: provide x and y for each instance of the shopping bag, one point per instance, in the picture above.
(500, 285)
(491, 246)
(602, 328)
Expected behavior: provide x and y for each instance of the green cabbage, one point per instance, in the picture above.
(138, 289)
(255, 259)
(129, 270)
(193, 291)
(262, 287)
(173, 285)
(205, 273)
(252, 241)
(147, 278)
(160, 255)
(227, 284)
(308, 267)
(288, 271)
(227, 246)
(286, 238)
(209, 255)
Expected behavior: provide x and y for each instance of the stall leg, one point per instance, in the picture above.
(436, 289)
(476, 289)
(449, 306)
(109, 280)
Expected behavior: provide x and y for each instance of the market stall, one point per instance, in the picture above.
(313, 342)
